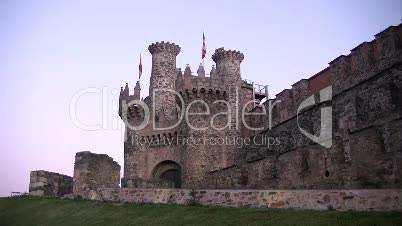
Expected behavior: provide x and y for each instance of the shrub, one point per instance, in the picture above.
(193, 198)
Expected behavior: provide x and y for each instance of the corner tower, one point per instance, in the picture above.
(228, 69)
(228, 65)
(163, 76)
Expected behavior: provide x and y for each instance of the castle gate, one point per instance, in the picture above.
(168, 170)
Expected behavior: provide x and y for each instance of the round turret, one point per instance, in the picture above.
(222, 54)
(163, 77)
(164, 47)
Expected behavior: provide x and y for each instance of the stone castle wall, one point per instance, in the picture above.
(303, 199)
(364, 151)
(94, 171)
(366, 135)
(371, 68)
(44, 183)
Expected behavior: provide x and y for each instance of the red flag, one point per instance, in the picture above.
(204, 50)
(140, 67)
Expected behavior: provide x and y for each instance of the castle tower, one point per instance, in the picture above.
(201, 71)
(212, 74)
(187, 71)
(228, 65)
(163, 76)
(228, 69)
(126, 92)
(137, 91)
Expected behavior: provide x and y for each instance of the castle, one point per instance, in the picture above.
(162, 157)
(166, 133)
(366, 108)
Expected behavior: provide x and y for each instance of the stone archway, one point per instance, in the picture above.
(168, 170)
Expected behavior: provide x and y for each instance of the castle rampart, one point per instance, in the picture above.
(352, 77)
(366, 106)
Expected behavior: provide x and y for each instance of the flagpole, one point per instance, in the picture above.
(140, 69)
(203, 45)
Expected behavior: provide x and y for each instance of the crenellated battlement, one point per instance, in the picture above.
(164, 47)
(126, 98)
(345, 71)
(364, 61)
(222, 54)
(367, 59)
(389, 42)
(362, 57)
(190, 82)
(207, 95)
(300, 91)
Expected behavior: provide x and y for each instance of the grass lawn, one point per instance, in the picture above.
(51, 211)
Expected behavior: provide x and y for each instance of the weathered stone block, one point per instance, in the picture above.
(94, 171)
(44, 183)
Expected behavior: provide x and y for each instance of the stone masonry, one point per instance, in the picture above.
(365, 139)
(291, 156)
(44, 183)
(366, 127)
(302, 199)
(94, 171)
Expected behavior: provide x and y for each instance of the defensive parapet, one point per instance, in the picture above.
(346, 71)
(228, 65)
(167, 47)
(189, 82)
(200, 87)
(367, 59)
(286, 107)
(129, 111)
(222, 54)
(300, 91)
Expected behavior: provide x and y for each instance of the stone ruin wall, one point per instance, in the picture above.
(366, 150)
(94, 171)
(44, 183)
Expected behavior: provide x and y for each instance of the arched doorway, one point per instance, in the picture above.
(168, 170)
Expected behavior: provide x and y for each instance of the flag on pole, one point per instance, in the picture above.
(204, 50)
(140, 67)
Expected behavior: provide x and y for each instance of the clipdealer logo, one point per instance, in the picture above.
(239, 142)
(324, 139)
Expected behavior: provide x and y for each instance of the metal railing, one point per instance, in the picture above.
(260, 89)
(15, 193)
(247, 81)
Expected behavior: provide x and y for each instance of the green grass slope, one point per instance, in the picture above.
(50, 211)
